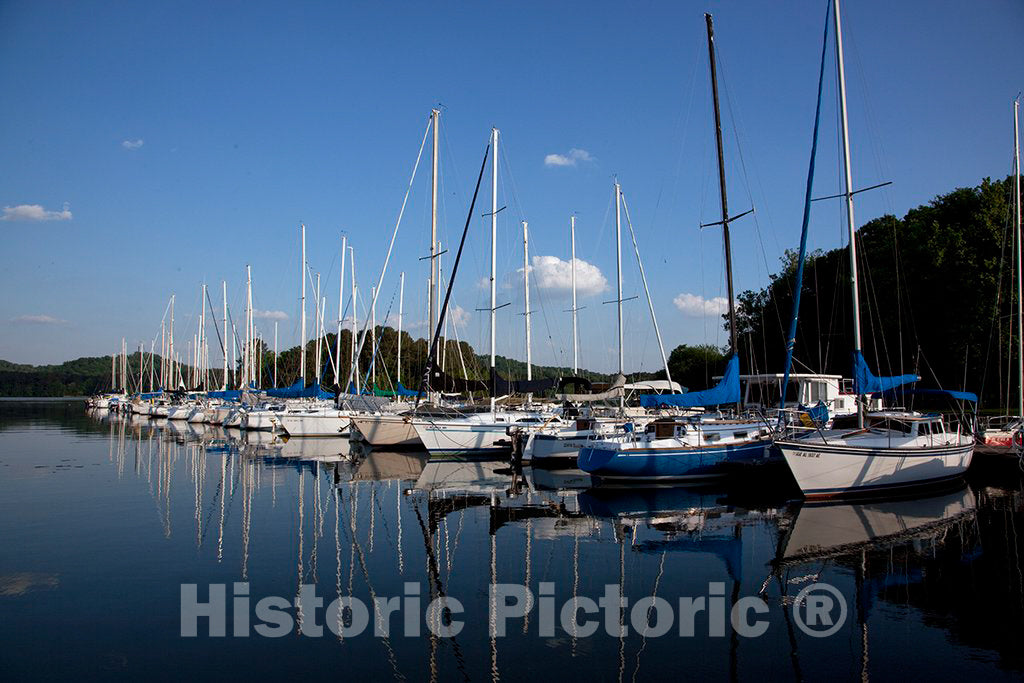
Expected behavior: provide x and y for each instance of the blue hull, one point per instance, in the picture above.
(672, 464)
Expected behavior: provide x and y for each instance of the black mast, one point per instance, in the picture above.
(721, 185)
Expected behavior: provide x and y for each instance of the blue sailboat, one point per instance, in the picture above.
(698, 447)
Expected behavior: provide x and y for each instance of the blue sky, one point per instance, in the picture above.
(171, 143)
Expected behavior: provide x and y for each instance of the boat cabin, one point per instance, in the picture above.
(761, 392)
(911, 424)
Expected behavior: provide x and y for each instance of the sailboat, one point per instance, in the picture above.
(482, 433)
(699, 446)
(889, 449)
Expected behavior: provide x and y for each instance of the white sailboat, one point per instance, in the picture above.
(485, 433)
(889, 450)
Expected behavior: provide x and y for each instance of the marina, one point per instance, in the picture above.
(681, 342)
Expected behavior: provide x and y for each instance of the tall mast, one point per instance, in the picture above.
(526, 297)
(1020, 274)
(435, 117)
(152, 344)
(318, 311)
(494, 242)
(618, 270)
(572, 268)
(202, 335)
(224, 289)
(275, 354)
(341, 313)
(848, 191)
(248, 326)
(401, 303)
(163, 355)
(721, 185)
(170, 349)
(234, 336)
(373, 337)
(355, 302)
(302, 315)
(141, 356)
(113, 372)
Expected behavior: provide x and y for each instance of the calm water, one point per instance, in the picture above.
(102, 520)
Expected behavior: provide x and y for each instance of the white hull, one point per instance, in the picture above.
(463, 437)
(261, 421)
(199, 416)
(179, 412)
(557, 447)
(830, 470)
(386, 430)
(321, 423)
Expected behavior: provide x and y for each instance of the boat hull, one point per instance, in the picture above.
(825, 471)
(671, 464)
(463, 438)
(332, 423)
(391, 431)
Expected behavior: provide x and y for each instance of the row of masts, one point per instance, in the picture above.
(251, 372)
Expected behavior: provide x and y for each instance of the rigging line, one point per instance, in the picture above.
(650, 303)
(394, 234)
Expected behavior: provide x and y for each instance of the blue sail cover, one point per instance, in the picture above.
(152, 394)
(227, 395)
(297, 390)
(401, 390)
(865, 382)
(726, 391)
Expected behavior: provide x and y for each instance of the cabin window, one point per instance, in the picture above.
(937, 428)
(895, 425)
(816, 391)
(740, 435)
(712, 436)
(924, 429)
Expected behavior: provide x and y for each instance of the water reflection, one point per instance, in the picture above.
(284, 514)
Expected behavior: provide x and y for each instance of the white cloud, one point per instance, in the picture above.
(698, 307)
(574, 156)
(554, 275)
(34, 212)
(459, 316)
(38, 320)
(269, 315)
(133, 144)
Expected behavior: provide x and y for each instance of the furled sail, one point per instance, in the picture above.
(865, 382)
(726, 391)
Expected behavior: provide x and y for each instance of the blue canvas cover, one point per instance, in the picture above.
(865, 382)
(228, 395)
(296, 390)
(401, 390)
(726, 391)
